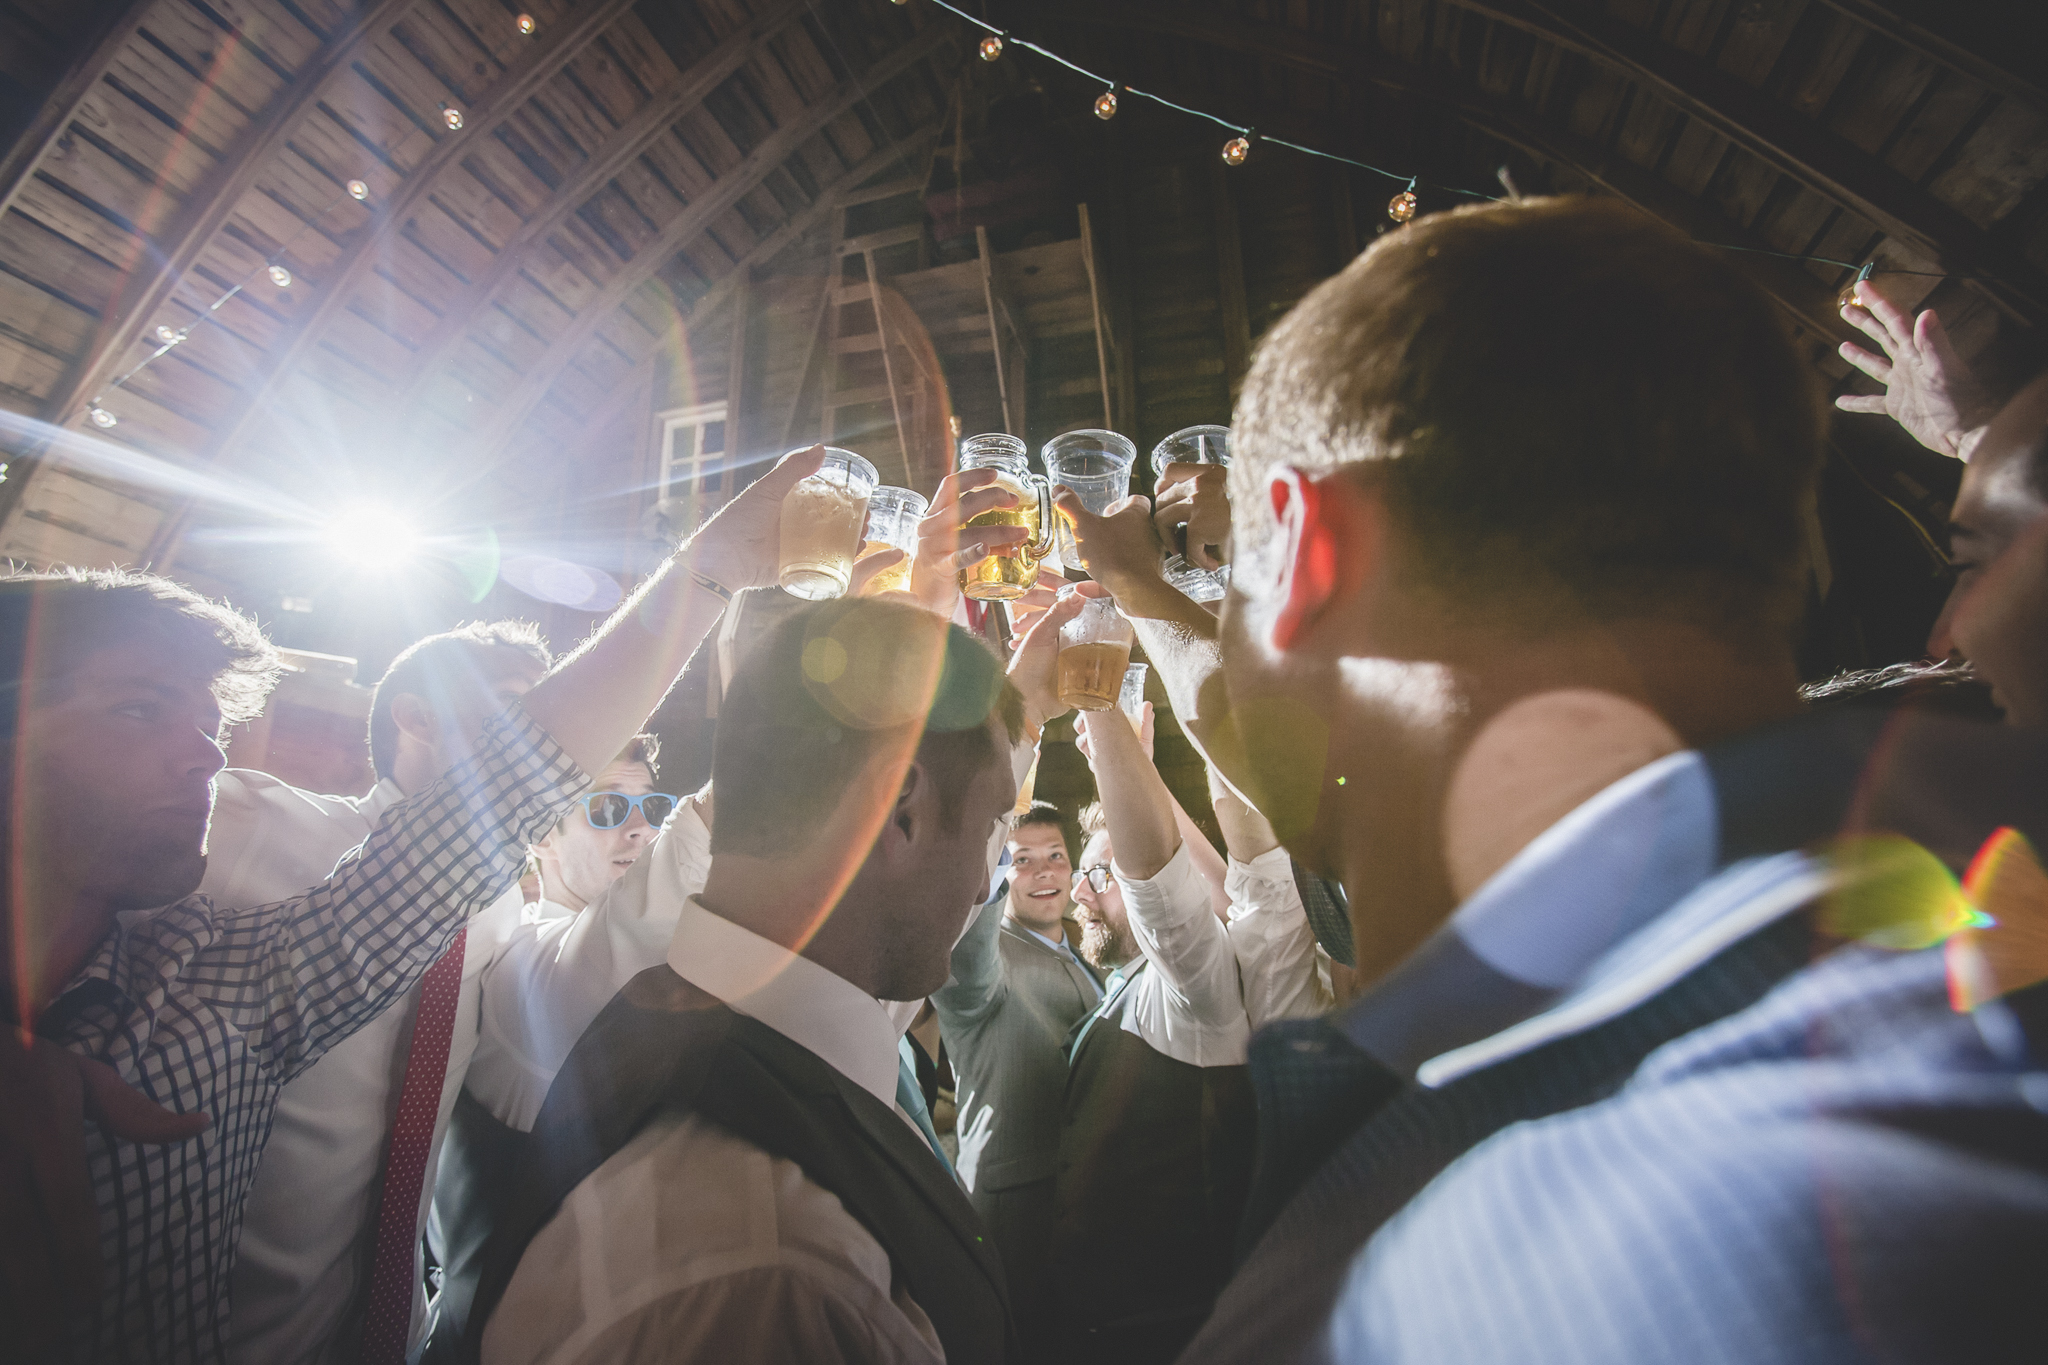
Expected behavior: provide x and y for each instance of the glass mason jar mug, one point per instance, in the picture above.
(1008, 571)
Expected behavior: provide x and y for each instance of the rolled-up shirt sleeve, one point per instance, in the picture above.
(1200, 1017)
(1275, 947)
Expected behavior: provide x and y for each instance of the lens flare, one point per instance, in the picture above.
(373, 536)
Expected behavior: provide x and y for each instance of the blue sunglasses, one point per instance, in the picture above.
(609, 810)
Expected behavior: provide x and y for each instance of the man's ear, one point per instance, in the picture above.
(909, 813)
(415, 719)
(1332, 537)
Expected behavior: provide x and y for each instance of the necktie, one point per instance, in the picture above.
(388, 1323)
(910, 1100)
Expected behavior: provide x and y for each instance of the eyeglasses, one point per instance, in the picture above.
(1097, 878)
(609, 810)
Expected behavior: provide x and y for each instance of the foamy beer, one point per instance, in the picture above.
(893, 515)
(1010, 570)
(1095, 649)
(821, 524)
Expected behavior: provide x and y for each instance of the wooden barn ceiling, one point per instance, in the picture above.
(615, 170)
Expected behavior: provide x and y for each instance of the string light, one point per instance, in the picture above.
(358, 191)
(1849, 298)
(991, 47)
(524, 23)
(1105, 104)
(280, 277)
(101, 418)
(1236, 150)
(1402, 206)
(451, 116)
(167, 336)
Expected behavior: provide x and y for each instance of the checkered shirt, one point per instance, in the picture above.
(214, 1010)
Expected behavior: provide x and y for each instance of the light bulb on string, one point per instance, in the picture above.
(280, 277)
(358, 191)
(1402, 206)
(451, 116)
(101, 418)
(168, 336)
(1236, 150)
(1850, 298)
(991, 47)
(524, 23)
(1105, 104)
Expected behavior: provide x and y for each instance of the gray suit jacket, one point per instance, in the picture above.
(1005, 1013)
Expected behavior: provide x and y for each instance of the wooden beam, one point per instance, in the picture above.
(1235, 315)
(995, 332)
(726, 191)
(1811, 154)
(1095, 316)
(117, 25)
(1806, 152)
(619, 151)
(1976, 42)
(738, 392)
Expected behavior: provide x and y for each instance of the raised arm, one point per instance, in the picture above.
(1282, 974)
(1928, 389)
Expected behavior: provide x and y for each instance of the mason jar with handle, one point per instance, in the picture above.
(1010, 570)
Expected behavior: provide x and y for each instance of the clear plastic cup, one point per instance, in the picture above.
(1097, 466)
(1011, 571)
(821, 524)
(1194, 445)
(893, 515)
(1131, 700)
(1095, 652)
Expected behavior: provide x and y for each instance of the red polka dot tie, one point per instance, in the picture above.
(389, 1323)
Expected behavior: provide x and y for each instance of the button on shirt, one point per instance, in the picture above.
(1189, 1006)
(691, 1243)
(215, 1010)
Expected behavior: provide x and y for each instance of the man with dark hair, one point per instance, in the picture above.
(121, 685)
(1016, 987)
(310, 1226)
(1508, 651)
(866, 756)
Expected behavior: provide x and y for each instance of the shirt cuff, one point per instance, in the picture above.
(1177, 894)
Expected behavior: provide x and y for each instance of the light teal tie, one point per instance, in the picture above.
(910, 1099)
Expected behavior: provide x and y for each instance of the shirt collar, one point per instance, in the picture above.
(845, 1027)
(1057, 945)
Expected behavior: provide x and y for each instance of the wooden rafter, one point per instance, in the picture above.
(633, 137)
(1810, 154)
(726, 191)
(520, 83)
(160, 270)
(1938, 31)
(19, 162)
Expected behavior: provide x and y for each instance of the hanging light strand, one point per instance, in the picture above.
(271, 265)
(1411, 182)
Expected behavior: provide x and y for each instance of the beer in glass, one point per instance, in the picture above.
(1095, 650)
(821, 523)
(893, 515)
(1096, 465)
(1008, 571)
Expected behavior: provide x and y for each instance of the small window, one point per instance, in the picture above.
(693, 454)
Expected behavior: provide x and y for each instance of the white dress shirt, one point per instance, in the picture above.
(552, 979)
(311, 1212)
(691, 1243)
(1190, 1005)
(1282, 968)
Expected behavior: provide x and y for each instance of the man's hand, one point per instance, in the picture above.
(50, 1256)
(867, 566)
(1120, 549)
(941, 553)
(1085, 723)
(1035, 665)
(738, 547)
(1191, 508)
(1928, 389)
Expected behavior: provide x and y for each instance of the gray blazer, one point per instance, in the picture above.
(1004, 1013)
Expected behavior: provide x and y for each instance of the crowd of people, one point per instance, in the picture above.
(1569, 986)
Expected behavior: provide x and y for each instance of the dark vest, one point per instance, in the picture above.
(473, 1195)
(664, 1047)
(1155, 1159)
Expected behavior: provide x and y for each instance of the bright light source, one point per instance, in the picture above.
(374, 537)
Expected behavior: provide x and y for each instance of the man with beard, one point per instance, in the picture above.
(1155, 1147)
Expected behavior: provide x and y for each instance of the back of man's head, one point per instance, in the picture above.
(1571, 412)
(50, 621)
(824, 691)
(442, 669)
